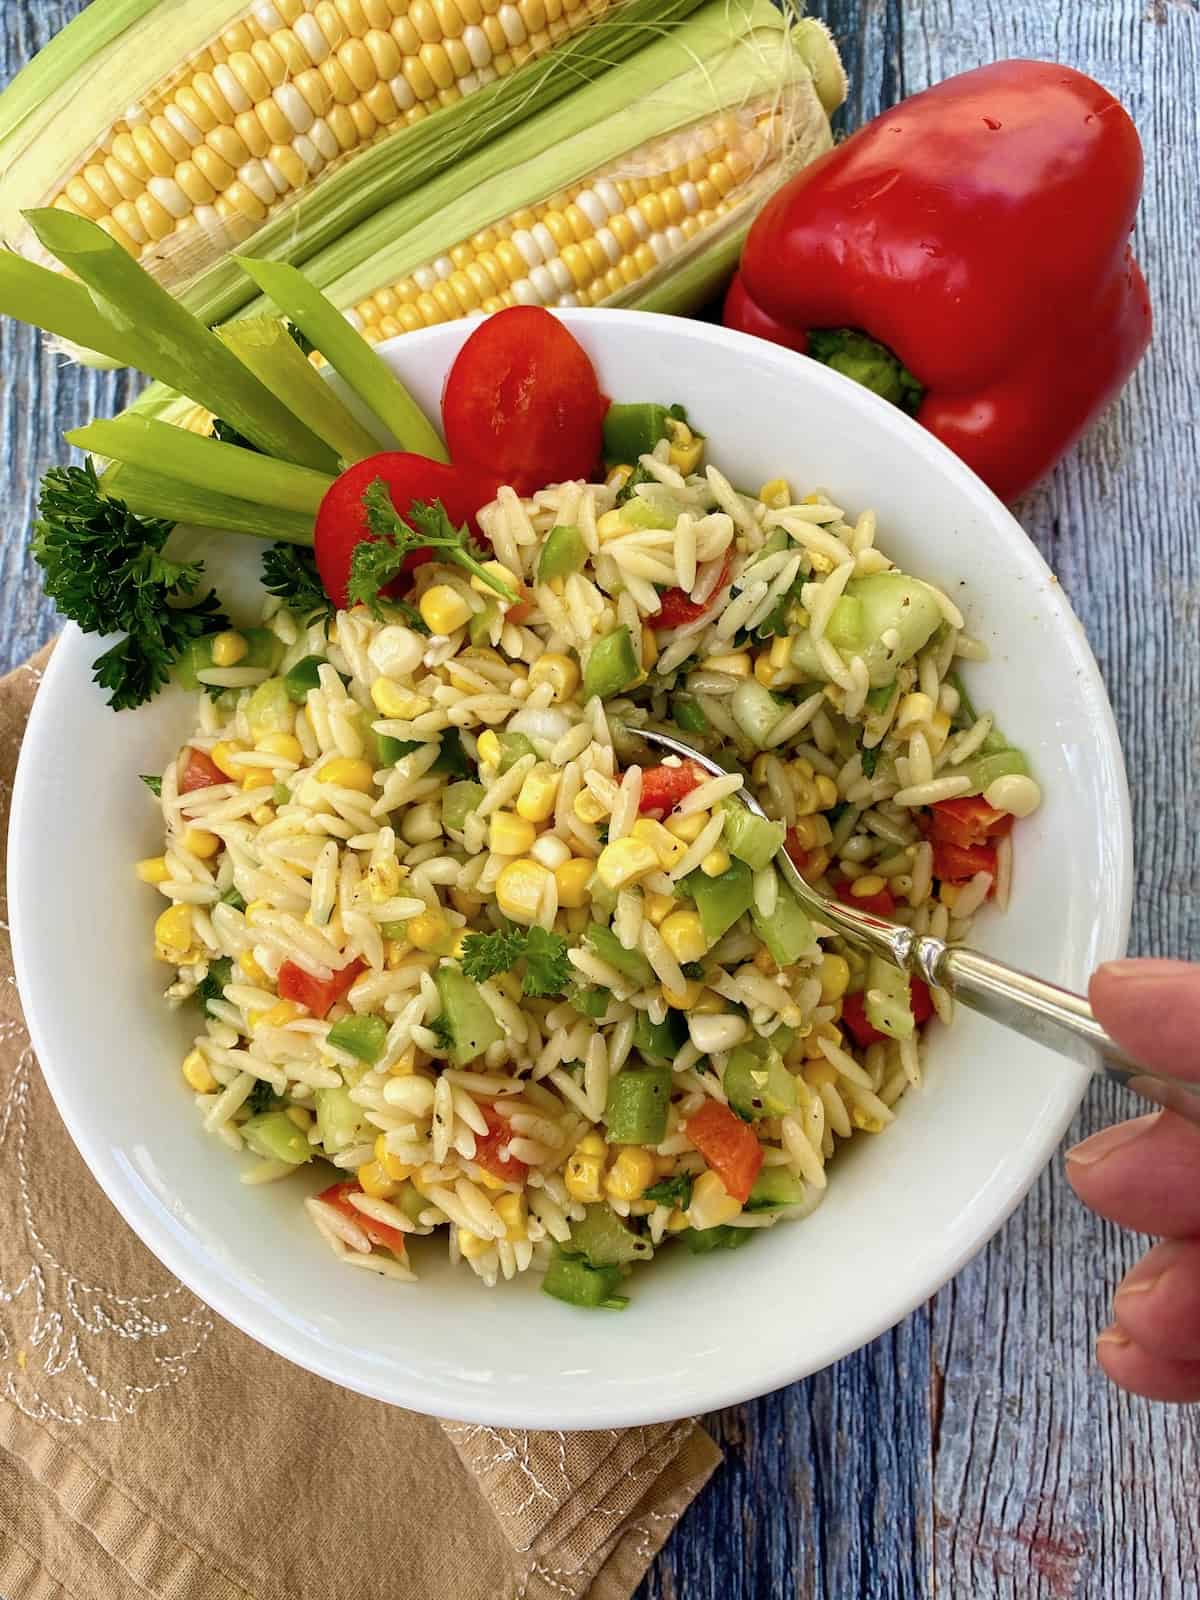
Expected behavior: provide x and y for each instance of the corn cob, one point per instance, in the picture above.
(189, 152)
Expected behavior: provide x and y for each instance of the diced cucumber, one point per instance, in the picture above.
(359, 1036)
(563, 553)
(571, 1279)
(605, 1241)
(458, 802)
(758, 1084)
(880, 699)
(636, 1109)
(700, 1241)
(773, 1188)
(787, 932)
(983, 770)
(632, 429)
(888, 1002)
(887, 603)
(845, 628)
(755, 710)
(751, 839)
(652, 511)
(302, 677)
(269, 709)
(512, 747)
(275, 1137)
(263, 649)
(631, 964)
(479, 628)
(197, 656)
(612, 665)
(340, 1122)
(721, 901)
(467, 1015)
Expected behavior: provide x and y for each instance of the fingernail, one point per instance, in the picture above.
(1115, 1336)
(1107, 1140)
(1146, 971)
(1142, 1285)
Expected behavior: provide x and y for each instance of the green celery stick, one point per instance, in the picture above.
(349, 354)
(276, 360)
(150, 494)
(172, 452)
(45, 299)
(174, 346)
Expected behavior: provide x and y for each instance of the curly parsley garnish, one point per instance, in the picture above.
(379, 560)
(547, 969)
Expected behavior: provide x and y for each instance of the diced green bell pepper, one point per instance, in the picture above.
(612, 665)
(700, 1241)
(605, 1241)
(563, 553)
(589, 1002)
(467, 1015)
(888, 1002)
(632, 429)
(721, 901)
(659, 1041)
(878, 700)
(363, 1037)
(787, 932)
(775, 1187)
(652, 511)
(687, 715)
(458, 802)
(751, 839)
(758, 1084)
(636, 1109)
(302, 677)
(340, 1122)
(571, 1279)
(631, 964)
(275, 1137)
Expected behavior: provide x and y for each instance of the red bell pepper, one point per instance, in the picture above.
(864, 1032)
(731, 1148)
(488, 1146)
(318, 994)
(338, 1196)
(664, 787)
(200, 771)
(977, 235)
(955, 863)
(881, 904)
(677, 608)
(968, 821)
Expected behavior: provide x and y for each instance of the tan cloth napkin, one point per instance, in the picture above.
(148, 1449)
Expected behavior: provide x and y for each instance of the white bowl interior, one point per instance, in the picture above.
(903, 1211)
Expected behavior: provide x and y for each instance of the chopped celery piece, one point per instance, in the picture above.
(570, 1279)
(751, 839)
(512, 747)
(631, 964)
(888, 1001)
(280, 794)
(305, 675)
(758, 1084)
(632, 429)
(480, 626)
(636, 1109)
(275, 1137)
(721, 1237)
(363, 1037)
(687, 715)
(269, 710)
(659, 1041)
(612, 665)
(340, 1122)
(349, 354)
(721, 901)
(787, 932)
(267, 349)
(151, 494)
(458, 802)
(190, 458)
(755, 710)
(563, 553)
(888, 602)
(173, 345)
(984, 770)
(589, 1002)
(263, 649)
(773, 1188)
(604, 1240)
(467, 1015)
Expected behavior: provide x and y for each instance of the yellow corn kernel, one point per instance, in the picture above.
(588, 808)
(383, 879)
(686, 457)
(612, 524)
(864, 1121)
(816, 866)
(870, 883)
(649, 647)
(818, 1074)
(677, 1221)
(284, 745)
(736, 665)
(669, 849)
(619, 476)
(511, 1210)
(688, 828)
(257, 778)
(443, 610)
(228, 649)
(915, 711)
(509, 834)
(710, 1004)
(467, 904)
(807, 832)
(224, 755)
(938, 731)
(538, 793)
(348, 772)
(827, 792)
(715, 863)
(683, 936)
(488, 747)
(472, 1245)
(199, 842)
(390, 700)
(763, 670)
(519, 890)
(711, 1203)
(430, 931)
(252, 969)
(835, 978)
(776, 494)
(173, 932)
(375, 1180)
(196, 1073)
(572, 879)
(559, 671)
(625, 861)
(153, 869)
(584, 1166)
(631, 1174)
(392, 1165)
(255, 908)
(497, 570)
(658, 906)
(780, 652)
(686, 999)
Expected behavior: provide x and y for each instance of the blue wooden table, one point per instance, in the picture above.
(973, 1452)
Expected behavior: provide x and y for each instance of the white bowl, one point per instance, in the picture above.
(903, 1211)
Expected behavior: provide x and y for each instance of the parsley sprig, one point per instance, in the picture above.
(380, 559)
(290, 571)
(104, 569)
(547, 969)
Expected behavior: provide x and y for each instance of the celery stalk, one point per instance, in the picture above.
(172, 452)
(45, 299)
(150, 494)
(174, 346)
(349, 354)
(273, 356)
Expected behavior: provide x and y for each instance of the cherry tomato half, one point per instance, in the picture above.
(342, 519)
(200, 771)
(522, 404)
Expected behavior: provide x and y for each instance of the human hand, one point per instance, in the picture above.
(1145, 1175)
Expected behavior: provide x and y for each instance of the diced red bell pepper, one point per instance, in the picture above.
(664, 787)
(677, 607)
(317, 994)
(488, 1145)
(954, 864)
(968, 821)
(200, 771)
(338, 1196)
(921, 999)
(729, 1145)
(864, 1033)
(880, 905)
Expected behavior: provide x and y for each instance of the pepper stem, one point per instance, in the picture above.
(868, 362)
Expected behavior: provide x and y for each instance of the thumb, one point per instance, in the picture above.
(1152, 1010)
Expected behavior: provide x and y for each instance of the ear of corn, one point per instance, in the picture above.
(207, 123)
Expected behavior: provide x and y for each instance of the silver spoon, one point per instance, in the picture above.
(1051, 1016)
